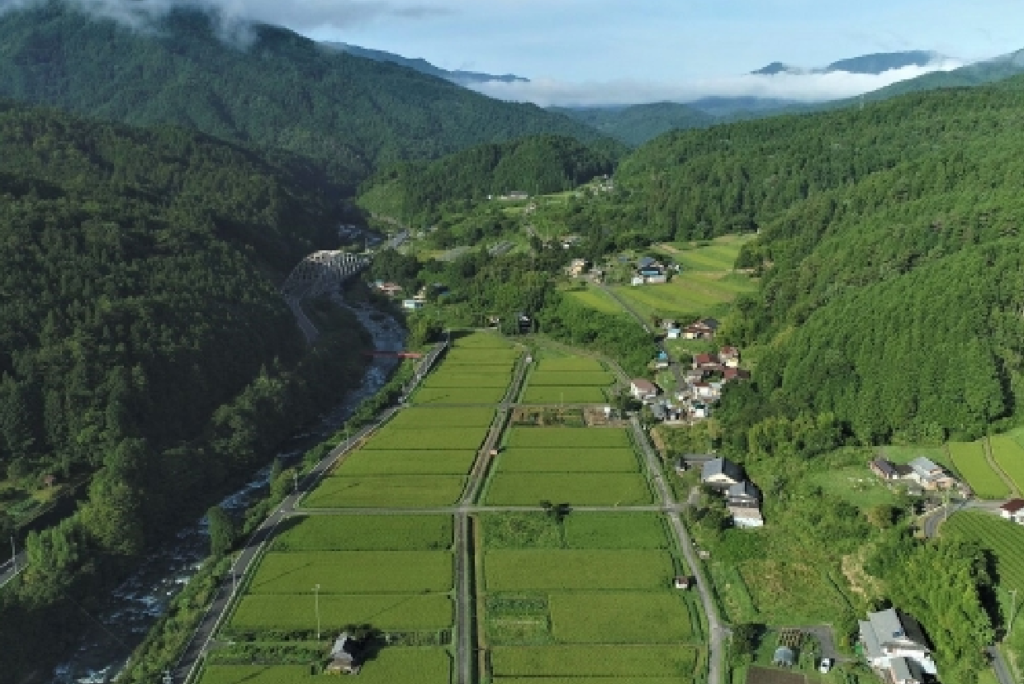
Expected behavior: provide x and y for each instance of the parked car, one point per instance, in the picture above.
(825, 665)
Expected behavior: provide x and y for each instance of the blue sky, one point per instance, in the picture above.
(622, 51)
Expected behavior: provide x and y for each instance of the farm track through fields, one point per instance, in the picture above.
(467, 663)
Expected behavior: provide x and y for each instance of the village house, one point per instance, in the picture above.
(577, 267)
(643, 389)
(743, 494)
(930, 475)
(389, 289)
(343, 659)
(413, 304)
(884, 469)
(1013, 510)
(721, 473)
(735, 375)
(746, 516)
(707, 362)
(704, 329)
(729, 357)
(674, 333)
(700, 410)
(681, 582)
(894, 645)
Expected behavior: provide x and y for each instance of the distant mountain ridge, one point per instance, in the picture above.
(459, 77)
(282, 91)
(876, 63)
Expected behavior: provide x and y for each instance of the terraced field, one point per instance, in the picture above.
(1009, 455)
(1002, 538)
(969, 459)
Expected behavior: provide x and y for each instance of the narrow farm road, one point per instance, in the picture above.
(999, 665)
(673, 366)
(202, 638)
(716, 636)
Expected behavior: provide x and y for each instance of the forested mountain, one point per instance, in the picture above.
(458, 76)
(279, 90)
(143, 347)
(543, 164)
(876, 63)
(637, 124)
(890, 246)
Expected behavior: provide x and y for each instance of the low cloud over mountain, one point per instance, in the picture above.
(785, 85)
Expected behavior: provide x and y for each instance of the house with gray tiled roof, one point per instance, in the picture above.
(894, 643)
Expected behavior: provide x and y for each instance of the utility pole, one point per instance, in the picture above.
(14, 555)
(316, 603)
(295, 480)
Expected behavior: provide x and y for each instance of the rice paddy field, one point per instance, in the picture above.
(567, 380)
(387, 491)
(1003, 538)
(1009, 456)
(969, 459)
(411, 462)
(596, 299)
(369, 533)
(584, 600)
(568, 460)
(580, 489)
(391, 665)
(548, 438)
(534, 394)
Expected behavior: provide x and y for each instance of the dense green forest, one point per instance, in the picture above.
(143, 344)
(278, 90)
(536, 165)
(637, 124)
(877, 227)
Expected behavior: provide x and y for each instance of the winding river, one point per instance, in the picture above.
(135, 606)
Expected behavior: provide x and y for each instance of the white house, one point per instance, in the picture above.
(643, 389)
(1013, 510)
(890, 635)
(745, 516)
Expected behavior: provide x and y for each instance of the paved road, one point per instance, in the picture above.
(9, 570)
(308, 329)
(717, 634)
(931, 522)
(999, 666)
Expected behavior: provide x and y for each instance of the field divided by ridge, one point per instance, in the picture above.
(969, 459)
(586, 596)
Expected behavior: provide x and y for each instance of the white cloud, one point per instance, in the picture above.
(802, 87)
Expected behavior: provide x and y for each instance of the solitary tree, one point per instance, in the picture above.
(222, 531)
